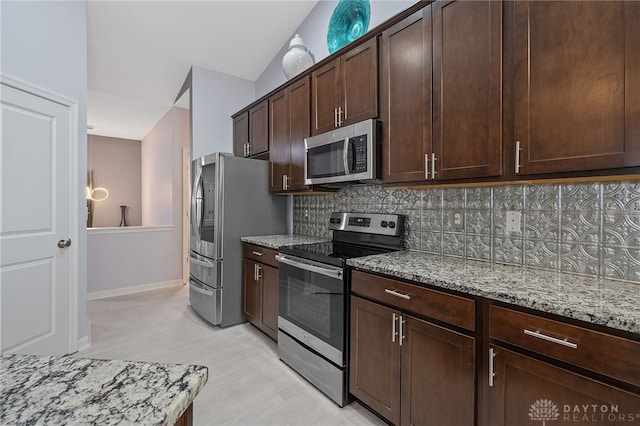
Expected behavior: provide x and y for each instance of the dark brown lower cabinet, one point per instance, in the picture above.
(251, 292)
(528, 391)
(410, 371)
(260, 289)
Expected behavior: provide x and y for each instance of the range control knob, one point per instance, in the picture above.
(392, 224)
(384, 223)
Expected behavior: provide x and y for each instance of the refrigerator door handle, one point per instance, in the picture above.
(197, 183)
(199, 260)
(198, 289)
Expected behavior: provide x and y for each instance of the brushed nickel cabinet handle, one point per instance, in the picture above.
(433, 165)
(426, 166)
(397, 294)
(518, 157)
(563, 342)
(401, 322)
(257, 253)
(492, 374)
(394, 333)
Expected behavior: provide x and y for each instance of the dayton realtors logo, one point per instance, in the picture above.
(546, 410)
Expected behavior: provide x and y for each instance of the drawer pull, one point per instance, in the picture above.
(397, 294)
(258, 253)
(550, 339)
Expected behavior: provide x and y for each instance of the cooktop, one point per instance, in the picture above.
(354, 235)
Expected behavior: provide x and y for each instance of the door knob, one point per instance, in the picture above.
(64, 243)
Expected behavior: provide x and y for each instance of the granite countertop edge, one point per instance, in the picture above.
(75, 391)
(280, 240)
(609, 303)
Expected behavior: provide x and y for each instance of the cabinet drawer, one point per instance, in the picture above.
(431, 303)
(610, 355)
(260, 254)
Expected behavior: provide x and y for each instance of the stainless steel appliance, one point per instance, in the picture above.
(230, 198)
(349, 153)
(314, 285)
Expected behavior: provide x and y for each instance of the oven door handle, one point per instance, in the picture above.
(333, 273)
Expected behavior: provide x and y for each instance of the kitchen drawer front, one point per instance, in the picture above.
(610, 355)
(260, 254)
(445, 307)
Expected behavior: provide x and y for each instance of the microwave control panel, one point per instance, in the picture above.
(359, 144)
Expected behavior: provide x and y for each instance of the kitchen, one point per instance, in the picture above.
(431, 228)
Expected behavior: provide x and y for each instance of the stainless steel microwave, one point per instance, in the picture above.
(349, 153)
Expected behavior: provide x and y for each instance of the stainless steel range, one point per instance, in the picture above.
(314, 297)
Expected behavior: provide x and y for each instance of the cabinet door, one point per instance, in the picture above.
(300, 122)
(438, 375)
(577, 85)
(374, 376)
(251, 293)
(526, 390)
(240, 134)
(259, 128)
(406, 98)
(325, 97)
(270, 288)
(359, 83)
(279, 137)
(467, 89)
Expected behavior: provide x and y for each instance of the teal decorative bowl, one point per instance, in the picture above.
(350, 20)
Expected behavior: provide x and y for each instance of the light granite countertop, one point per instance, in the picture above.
(39, 390)
(277, 241)
(614, 304)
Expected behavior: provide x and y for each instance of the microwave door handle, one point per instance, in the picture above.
(345, 156)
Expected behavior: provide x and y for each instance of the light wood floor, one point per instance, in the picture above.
(248, 384)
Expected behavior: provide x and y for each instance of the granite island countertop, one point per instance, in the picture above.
(277, 241)
(610, 303)
(78, 391)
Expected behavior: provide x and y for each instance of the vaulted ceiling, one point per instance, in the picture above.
(139, 52)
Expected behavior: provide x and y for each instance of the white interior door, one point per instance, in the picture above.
(35, 225)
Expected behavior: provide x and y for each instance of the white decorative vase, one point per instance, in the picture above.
(297, 59)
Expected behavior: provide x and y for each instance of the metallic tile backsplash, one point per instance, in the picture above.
(585, 228)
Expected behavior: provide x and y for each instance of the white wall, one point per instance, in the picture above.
(314, 32)
(120, 259)
(214, 98)
(45, 44)
(157, 173)
(116, 167)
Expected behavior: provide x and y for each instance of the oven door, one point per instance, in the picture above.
(312, 305)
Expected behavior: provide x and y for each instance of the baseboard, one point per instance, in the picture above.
(84, 343)
(134, 289)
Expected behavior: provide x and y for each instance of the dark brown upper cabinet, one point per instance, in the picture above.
(251, 131)
(289, 121)
(345, 90)
(259, 129)
(241, 134)
(467, 89)
(442, 108)
(406, 98)
(576, 85)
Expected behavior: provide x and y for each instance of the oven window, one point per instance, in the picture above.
(314, 302)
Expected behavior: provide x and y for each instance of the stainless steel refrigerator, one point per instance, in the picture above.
(229, 198)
